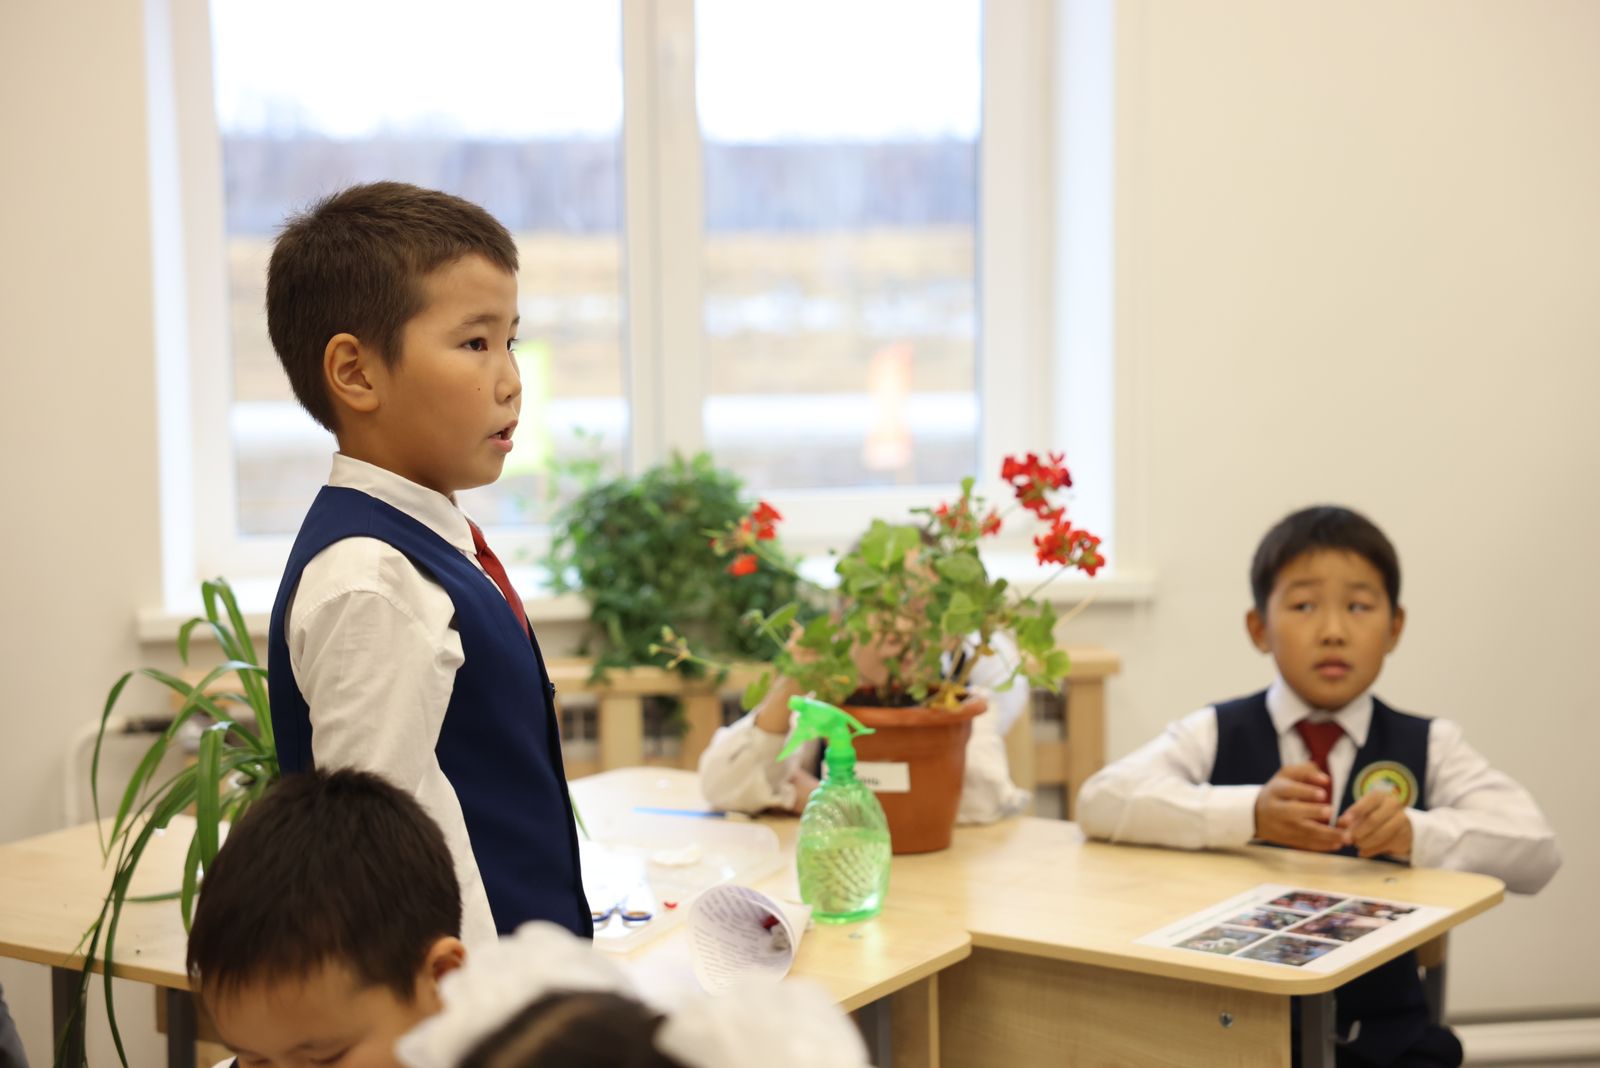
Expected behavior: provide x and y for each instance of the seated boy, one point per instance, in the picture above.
(397, 643)
(325, 923)
(1286, 765)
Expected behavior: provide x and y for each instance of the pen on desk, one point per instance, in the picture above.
(693, 813)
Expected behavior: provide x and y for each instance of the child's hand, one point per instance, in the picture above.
(1292, 810)
(1377, 825)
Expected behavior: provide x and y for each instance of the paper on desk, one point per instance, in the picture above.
(1318, 930)
(739, 937)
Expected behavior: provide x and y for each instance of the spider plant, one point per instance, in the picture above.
(235, 764)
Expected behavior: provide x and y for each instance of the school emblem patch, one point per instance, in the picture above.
(1387, 775)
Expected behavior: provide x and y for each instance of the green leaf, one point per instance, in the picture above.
(94, 764)
(963, 568)
(757, 689)
(209, 789)
(191, 881)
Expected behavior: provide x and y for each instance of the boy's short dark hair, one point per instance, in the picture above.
(1325, 526)
(353, 263)
(328, 867)
(576, 1029)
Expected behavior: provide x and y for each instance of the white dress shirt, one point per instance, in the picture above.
(740, 770)
(1477, 819)
(374, 650)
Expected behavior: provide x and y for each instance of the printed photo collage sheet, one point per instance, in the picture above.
(1313, 929)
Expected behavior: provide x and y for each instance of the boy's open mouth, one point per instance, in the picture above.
(504, 433)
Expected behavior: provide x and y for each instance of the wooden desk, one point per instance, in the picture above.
(51, 888)
(1055, 975)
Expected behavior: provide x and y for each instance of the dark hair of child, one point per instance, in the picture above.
(354, 262)
(328, 867)
(577, 1029)
(1324, 526)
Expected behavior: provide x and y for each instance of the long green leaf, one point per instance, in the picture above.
(191, 880)
(209, 789)
(183, 637)
(94, 765)
(136, 784)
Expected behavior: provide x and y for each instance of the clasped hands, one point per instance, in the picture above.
(1293, 810)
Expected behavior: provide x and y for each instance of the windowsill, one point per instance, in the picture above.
(160, 625)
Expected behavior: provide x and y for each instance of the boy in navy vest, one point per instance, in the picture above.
(1292, 765)
(397, 644)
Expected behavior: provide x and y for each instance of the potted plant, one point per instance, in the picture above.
(640, 550)
(235, 762)
(916, 603)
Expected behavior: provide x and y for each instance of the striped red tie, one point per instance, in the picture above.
(496, 571)
(1320, 738)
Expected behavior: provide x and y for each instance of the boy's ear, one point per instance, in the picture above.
(348, 368)
(1256, 624)
(1397, 624)
(443, 957)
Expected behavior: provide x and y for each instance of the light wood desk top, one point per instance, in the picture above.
(856, 963)
(51, 888)
(1037, 887)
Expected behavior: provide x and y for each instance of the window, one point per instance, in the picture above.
(805, 236)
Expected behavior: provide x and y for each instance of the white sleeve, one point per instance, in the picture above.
(375, 657)
(1479, 819)
(1158, 794)
(987, 792)
(740, 770)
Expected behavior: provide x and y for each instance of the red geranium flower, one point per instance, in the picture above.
(743, 564)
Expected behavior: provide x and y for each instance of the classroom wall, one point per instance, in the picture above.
(1356, 260)
(81, 547)
(1359, 261)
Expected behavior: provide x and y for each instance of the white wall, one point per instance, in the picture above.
(77, 415)
(1357, 261)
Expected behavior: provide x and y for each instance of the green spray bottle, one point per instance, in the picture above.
(843, 854)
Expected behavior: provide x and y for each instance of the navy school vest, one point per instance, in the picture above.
(1387, 1001)
(499, 744)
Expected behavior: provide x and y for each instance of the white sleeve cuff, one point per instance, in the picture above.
(1230, 813)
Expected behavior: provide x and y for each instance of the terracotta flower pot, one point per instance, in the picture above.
(922, 758)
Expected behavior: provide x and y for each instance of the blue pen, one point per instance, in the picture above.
(693, 813)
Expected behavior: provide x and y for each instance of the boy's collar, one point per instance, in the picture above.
(430, 508)
(1286, 709)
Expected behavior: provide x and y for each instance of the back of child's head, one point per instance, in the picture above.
(575, 1029)
(354, 263)
(1319, 528)
(328, 868)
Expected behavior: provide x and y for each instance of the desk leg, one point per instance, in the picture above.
(1316, 1031)
(63, 996)
(876, 1022)
(182, 1027)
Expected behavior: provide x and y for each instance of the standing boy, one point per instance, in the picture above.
(397, 642)
(1326, 587)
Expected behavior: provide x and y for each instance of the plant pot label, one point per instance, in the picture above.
(885, 777)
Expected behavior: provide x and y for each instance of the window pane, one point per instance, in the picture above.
(513, 104)
(841, 151)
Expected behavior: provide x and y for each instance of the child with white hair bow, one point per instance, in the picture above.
(542, 997)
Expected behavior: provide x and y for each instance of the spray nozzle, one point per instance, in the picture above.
(818, 719)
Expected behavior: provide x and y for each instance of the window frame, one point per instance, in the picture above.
(1016, 272)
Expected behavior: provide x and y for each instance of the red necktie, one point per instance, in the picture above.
(493, 568)
(1320, 738)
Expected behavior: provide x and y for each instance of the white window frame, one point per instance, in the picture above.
(1021, 348)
